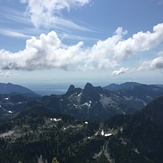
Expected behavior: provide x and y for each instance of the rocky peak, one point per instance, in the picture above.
(88, 87)
(71, 87)
(90, 93)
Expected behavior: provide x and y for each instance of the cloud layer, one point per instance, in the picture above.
(48, 51)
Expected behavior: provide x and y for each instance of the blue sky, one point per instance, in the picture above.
(79, 41)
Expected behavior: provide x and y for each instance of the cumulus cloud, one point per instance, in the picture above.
(100, 55)
(156, 63)
(43, 53)
(48, 51)
(46, 13)
(142, 41)
(122, 70)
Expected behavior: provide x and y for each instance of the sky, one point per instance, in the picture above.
(79, 41)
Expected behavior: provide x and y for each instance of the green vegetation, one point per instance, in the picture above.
(42, 134)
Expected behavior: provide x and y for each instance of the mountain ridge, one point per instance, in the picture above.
(116, 87)
(94, 102)
(91, 102)
(40, 134)
(8, 88)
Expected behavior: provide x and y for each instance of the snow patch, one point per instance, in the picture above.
(109, 134)
(102, 132)
(79, 94)
(88, 104)
(96, 133)
(55, 119)
(105, 134)
(75, 105)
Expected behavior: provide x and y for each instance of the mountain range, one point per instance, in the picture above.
(93, 124)
(97, 103)
(127, 85)
(38, 134)
(115, 87)
(89, 103)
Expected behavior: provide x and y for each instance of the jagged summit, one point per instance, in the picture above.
(88, 87)
(94, 102)
(71, 87)
(91, 93)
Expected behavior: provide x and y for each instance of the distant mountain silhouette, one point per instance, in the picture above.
(13, 88)
(115, 87)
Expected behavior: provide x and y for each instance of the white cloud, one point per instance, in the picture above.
(142, 41)
(48, 51)
(156, 63)
(46, 13)
(122, 70)
(43, 53)
(101, 54)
